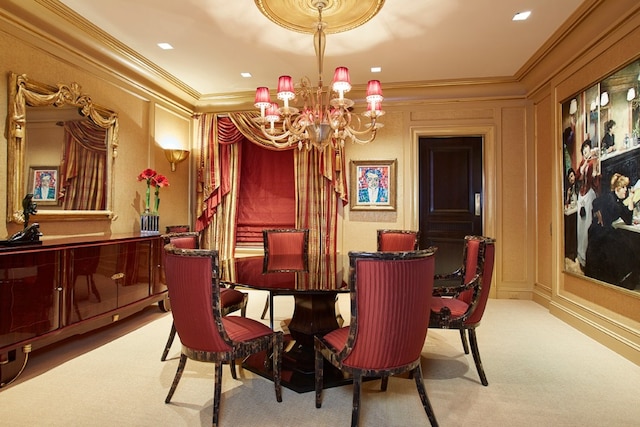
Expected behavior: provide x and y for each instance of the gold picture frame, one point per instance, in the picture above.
(373, 185)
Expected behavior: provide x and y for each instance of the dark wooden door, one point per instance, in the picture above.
(451, 199)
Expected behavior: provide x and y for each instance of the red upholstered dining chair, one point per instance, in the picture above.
(462, 305)
(388, 328)
(232, 299)
(177, 229)
(283, 241)
(206, 335)
(398, 240)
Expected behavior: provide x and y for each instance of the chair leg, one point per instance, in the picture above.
(217, 392)
(463, 337)
(245, 301)
(264, 310)
(271, 310)
(339, 317)
(385, 382)
(476, 356)
(355, 410)
(277, 364)
(422, 391)
(232, 366)
(167, 347)
(176, 379)
(319, 377)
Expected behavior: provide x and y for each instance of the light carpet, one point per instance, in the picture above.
(541, 372)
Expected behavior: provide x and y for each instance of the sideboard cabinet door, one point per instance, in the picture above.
(90, 289)
(135, 270)
(29, 295)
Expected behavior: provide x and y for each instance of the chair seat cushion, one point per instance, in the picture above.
(457, 307)
(338, 337)
(229, 297)
(242, 329)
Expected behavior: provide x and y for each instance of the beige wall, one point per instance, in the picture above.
(518, 118)
(140, 115)
(502, 124)
(606, 39)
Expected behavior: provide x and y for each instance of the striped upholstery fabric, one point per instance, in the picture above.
(398, 240)
(388, 326)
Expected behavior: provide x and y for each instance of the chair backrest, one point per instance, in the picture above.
(286, 241)
(194, 286)
(286, 263)
(390, 305)
(177, 229)
(183, 240)
(478, 258)
(398, 240)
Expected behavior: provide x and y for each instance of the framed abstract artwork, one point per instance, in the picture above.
(373, 185)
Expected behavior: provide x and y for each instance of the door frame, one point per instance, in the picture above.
(490, 176)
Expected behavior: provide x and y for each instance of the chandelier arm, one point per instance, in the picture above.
(276, 138)
(369, 128)
(353, 135)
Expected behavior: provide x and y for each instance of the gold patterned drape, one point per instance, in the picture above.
(320, 185)
(83, 170)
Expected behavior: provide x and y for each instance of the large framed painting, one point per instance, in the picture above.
(373, 185)
(601, 180)
(43, 184)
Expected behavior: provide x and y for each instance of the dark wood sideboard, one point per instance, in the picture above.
(70, 286)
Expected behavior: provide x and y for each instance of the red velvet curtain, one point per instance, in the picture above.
(267, 192)
(318, 178)
(266, 196)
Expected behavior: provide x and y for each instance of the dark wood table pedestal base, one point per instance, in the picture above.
(313, 314)
(296, 376)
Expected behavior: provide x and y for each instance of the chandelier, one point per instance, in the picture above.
(325, 118)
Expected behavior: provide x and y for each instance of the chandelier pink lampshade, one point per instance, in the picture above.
(272, 114)
(325, 120)
(374, 91)
(374, 110)
(263, 98)
(285, 88)
(341, 80)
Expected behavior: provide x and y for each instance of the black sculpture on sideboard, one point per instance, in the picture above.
(30, 234)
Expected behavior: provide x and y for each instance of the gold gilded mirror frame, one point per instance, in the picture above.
(25, 92)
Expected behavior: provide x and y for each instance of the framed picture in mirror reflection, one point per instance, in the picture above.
(43, 184)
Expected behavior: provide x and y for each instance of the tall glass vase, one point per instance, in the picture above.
(149, 224)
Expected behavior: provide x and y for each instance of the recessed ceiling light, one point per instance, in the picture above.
(521, 16)
(376, 69)
(245, 75)
(165, 46)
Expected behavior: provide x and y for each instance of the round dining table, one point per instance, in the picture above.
(314, 282)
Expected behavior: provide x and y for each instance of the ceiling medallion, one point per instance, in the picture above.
(302, 15)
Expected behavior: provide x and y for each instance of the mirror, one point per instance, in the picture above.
(79, 166)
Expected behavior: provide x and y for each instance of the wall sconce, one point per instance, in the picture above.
(175, 155)
(573, 107)
(604, 99)
(631, 94)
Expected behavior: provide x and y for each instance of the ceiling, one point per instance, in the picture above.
(413, 41)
